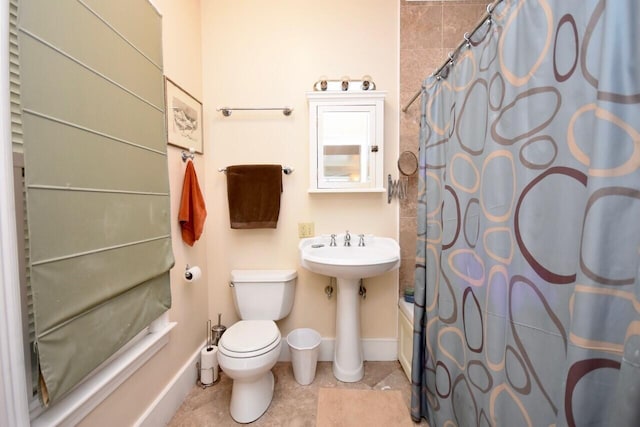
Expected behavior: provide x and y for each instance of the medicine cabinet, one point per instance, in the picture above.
(346, 132)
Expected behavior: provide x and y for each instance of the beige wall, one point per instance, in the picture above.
(428, 32)
(269, 53)
(182, 64)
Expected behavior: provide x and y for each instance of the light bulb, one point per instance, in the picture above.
(366, 82)
(345, 82)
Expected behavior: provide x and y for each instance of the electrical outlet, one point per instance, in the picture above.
(305, 229)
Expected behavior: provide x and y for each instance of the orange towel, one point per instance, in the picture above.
(253, 192)
(193, 211)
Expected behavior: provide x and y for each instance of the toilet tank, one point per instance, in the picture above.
(263, 294)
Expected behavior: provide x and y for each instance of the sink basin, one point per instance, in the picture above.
(380, 255)
(349, 264)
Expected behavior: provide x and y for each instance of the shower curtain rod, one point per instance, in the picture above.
(453, 55)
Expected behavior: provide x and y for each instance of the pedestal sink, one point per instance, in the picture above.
(349, 264)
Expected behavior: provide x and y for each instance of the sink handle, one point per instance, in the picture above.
(333, 240)
(361, 241)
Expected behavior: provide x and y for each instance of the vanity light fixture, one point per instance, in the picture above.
(344, 84)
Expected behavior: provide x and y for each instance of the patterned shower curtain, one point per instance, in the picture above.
(527, 293)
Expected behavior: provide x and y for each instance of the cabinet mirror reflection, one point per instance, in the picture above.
(345, 136)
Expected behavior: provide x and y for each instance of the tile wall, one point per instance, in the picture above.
(428, 31)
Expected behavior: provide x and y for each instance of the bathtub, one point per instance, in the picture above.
(405, 335)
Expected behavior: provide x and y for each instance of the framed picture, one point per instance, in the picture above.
(184, 117)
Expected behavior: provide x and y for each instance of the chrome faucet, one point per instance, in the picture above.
(361, 241)
(347, 239)
(333, 240)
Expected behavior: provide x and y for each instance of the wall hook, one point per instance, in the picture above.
(189, 155)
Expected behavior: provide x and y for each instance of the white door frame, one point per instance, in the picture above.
(14, 410)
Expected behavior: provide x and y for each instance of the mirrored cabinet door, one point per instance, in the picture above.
(346, 134)
(345, 142)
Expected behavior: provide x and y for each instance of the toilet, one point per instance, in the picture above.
(251, 347)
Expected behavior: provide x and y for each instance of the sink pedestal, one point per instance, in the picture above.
(348, 359)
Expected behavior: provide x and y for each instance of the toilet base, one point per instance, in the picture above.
(250, 399)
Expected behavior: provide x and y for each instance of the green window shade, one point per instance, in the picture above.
(92, 96)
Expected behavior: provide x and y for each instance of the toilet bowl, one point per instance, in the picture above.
(251, 347)
(246, 352)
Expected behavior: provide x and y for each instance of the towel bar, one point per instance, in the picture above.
(285, 170)
(226, 111)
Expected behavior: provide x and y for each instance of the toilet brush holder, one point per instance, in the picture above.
(217, 331)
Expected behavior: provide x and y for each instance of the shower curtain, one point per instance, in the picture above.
(527, 307)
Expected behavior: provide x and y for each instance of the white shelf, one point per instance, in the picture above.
(347, 190)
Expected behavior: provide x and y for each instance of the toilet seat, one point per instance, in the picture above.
(249, 338)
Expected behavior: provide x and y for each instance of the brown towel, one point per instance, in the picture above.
(254, 195)
(192, 208)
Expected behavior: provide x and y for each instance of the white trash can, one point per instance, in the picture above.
(304, 344)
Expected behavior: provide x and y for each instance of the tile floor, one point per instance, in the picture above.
(293, 404)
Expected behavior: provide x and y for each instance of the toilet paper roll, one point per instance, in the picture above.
(209, 365)
(192, 274)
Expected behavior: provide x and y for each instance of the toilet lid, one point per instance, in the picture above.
(248, 336)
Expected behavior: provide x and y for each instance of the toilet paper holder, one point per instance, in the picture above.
(188, 273)
(199, 383)
(213, 369)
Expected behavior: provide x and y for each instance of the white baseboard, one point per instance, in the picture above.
(380, 349)
(160, 412)
(374, 349)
